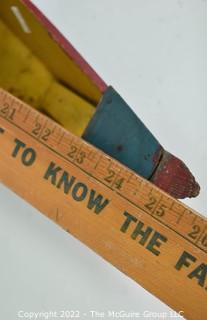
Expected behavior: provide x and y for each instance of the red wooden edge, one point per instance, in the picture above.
(66, 46)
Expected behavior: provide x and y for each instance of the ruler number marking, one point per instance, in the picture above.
(151, 203)
(204, 240)
(197, 234)
(36, 130)
(11, 115)
(76, 154)
(8, 111)
(155, 206)
(41, 131)
(110, 176)
(114, 178)
(46, 133)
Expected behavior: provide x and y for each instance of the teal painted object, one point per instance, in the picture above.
(116, 130)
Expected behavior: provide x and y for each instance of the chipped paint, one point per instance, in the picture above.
(173, 176)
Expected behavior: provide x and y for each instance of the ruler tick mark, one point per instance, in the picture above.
(61, 137)
(27, 116)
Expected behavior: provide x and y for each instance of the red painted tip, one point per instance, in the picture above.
(175, 178)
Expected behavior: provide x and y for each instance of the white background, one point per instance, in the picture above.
(155, 55)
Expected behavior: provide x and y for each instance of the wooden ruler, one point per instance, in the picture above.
(151, 237)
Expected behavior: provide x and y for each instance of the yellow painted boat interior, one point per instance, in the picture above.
(41, 74)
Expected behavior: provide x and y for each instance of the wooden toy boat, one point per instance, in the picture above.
(127, 220)
(39, 66)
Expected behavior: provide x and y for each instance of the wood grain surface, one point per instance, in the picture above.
(145, 233)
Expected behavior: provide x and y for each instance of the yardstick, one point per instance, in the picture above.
(153, 238)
